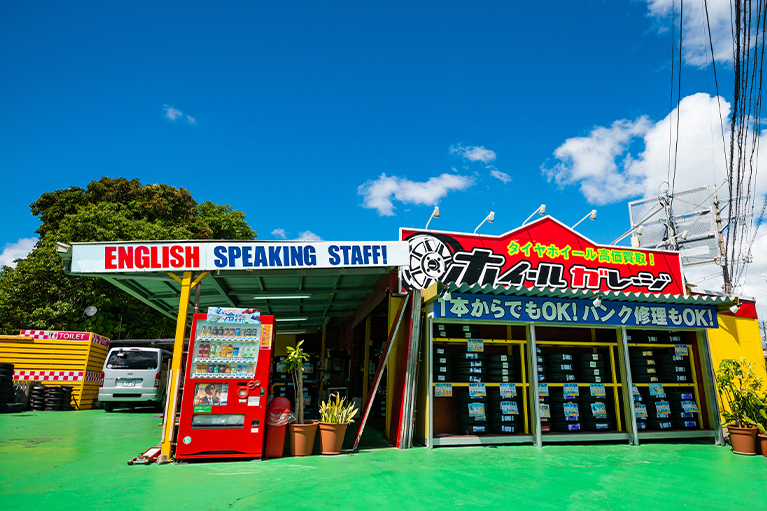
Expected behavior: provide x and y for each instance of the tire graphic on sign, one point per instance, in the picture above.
(431, 256)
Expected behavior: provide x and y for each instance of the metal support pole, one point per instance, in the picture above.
(175, 368)
(535, 405)
(715, 417)
(366, 361)
(628, 389)
(430, 379)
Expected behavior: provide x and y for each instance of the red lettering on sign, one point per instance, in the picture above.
(153, 260)
(177, 256)
(125, 258)
(142, 257)
(165, 253)
(192, 257)
(109, 258)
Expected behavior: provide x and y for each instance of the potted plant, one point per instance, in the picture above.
(301, 435)
(761, 425)
(335, 416)
(737, 385)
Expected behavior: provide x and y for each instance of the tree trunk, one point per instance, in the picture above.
(300, 395)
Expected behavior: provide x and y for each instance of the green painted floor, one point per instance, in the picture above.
(77, 460)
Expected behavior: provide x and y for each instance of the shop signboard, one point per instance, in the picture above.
(121, 257)
(468, 307)
(544, 253)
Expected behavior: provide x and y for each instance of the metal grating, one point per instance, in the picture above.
(693, 211)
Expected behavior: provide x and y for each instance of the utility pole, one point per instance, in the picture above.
(725, 272)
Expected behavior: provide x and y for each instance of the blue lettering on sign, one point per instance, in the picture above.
(310, 257)
(356, 255)
(234, 254)
(246, 257)
(274, 256)
(296, 256)
(220, 253)
(345, 250)
(260, 257)
(333, 252)
(555, 310)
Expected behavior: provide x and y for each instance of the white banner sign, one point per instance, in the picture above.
(164, 256)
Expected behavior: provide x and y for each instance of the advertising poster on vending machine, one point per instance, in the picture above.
(211, 394)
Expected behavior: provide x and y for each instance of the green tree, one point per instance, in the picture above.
(37, 294)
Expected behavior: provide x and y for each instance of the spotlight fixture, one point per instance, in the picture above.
(735, 308)
(434, 214)
(541, 211)
(489, 218)
(591, 216)
(597, 301)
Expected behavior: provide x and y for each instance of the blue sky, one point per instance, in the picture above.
(349, 120)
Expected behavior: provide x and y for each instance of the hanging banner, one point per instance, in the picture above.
(544, 253)
(114, 257)
(573, 311)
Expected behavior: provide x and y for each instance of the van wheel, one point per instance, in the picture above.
(109, 407)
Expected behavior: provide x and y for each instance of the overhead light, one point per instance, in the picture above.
(282, 297)
(684, 235)
(489, 218)
(541, 211)
(90, 311)
(301, 318)
(638, 230)
(597, 301)
(434, 214)
(447, 296)
(592, 216)
(735, 308)
(291, 332)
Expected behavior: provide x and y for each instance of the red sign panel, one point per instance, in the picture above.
(544, 253)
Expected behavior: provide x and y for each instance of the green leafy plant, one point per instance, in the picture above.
(295, 366)
(738, 387)
(337, 411)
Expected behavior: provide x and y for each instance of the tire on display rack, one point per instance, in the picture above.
(503, 429)
(472, 429)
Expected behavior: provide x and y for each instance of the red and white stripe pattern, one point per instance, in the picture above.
(37, 334)
(50, 375)
(92, 376)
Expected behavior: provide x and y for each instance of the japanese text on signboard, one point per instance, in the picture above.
(556, 310)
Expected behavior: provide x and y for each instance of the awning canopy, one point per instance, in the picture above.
(721, 301)
(299, 299)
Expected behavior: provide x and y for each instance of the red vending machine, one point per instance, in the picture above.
(226, 387)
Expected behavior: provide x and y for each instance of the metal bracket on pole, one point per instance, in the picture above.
(535, 400)
(379, 370)
(623, 355)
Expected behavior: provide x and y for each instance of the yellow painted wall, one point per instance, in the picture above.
(737, 337)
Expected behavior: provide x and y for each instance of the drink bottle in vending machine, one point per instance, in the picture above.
(226, 386)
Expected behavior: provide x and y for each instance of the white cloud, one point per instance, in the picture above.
(191, 120)
(279, 233)
(378, 193)
(18, 250)
(308, 236)
(695, 44)
(710, 277)
(498, 174)
(171, 113)
(473, 153)
(606, 172)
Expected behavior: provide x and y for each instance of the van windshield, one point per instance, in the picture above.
(132, 360)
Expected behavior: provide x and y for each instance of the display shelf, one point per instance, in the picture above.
(662, 435)
(691, 384)
(487, 384)
(577, 344)
(481, 440)
(460, 340)
(558, 384)
(607, 436)
(657, 345)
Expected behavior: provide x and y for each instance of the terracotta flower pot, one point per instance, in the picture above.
(762, 442)
(332, 437)
(743, 440)
(302, 438)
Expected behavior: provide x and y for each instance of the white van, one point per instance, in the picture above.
(134, 376)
